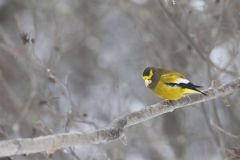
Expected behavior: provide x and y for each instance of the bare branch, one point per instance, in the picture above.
(220, 129)
(112, 132)
(191, 42)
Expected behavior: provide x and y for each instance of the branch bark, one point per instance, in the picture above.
(114, 130)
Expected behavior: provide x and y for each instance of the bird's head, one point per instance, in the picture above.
(147, 76)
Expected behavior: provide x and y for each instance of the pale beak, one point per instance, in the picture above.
(147, 82)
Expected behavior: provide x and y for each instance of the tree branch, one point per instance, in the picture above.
(114, 130)
(191, 42)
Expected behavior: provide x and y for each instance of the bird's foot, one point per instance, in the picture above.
(168, 102)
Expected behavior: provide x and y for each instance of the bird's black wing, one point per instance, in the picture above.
(187, 85)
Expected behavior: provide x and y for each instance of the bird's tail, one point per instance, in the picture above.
(191, 88)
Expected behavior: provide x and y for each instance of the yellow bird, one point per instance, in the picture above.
(168, 84)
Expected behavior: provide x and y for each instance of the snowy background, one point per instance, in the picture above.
(75, 65)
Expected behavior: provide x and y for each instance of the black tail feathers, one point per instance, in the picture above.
(189, 86)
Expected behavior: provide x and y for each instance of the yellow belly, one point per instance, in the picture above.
(168, 92)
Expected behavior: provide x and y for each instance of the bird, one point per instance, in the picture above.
(167, 84)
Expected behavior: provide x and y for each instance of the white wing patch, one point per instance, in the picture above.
(182, 80)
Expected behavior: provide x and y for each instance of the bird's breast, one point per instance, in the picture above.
(168, 92)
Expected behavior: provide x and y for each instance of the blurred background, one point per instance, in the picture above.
(75, 65)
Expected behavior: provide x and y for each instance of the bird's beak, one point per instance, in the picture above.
(147, 82)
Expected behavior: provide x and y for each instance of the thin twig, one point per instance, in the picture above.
(208, 122)
(224, 131)
(217, 119)
(190, 41)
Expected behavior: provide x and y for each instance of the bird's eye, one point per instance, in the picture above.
(146, 72)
